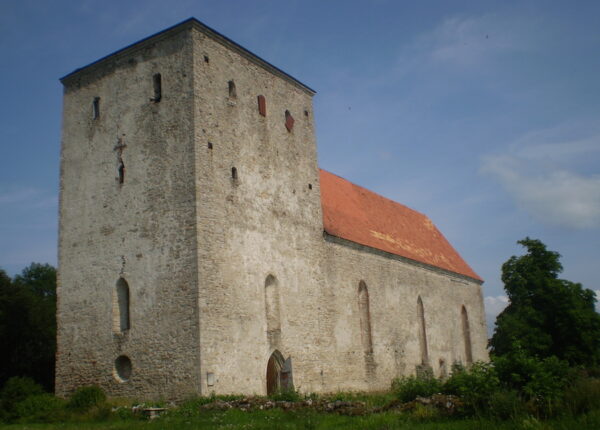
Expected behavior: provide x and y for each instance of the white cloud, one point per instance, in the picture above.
(540, 172)
(27, 198)
(598, 302)
(493, 307)
(468, 41)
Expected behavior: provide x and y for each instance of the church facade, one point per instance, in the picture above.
(202, 250)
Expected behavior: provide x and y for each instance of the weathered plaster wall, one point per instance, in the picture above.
(267, 222)
(197, 245)
(394, 287)
(143, 230)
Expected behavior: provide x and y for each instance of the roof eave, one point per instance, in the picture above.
(192, 23)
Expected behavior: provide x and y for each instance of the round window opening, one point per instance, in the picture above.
(122, 368)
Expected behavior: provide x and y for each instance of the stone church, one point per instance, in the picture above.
(202, 250)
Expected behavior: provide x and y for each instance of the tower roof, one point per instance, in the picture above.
(214, 34)
(356, 214)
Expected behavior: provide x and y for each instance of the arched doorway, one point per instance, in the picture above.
(279, 373)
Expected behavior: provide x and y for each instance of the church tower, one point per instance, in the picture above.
(189, 187)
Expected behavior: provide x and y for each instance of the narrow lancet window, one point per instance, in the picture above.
(365, 318)
(96, 108)
(466, 335)
(121, 171)
(121, 320)
(272, 311)
(422, 332)
(232, 90)
(157, 81)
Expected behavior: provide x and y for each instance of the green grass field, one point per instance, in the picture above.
(279, 419)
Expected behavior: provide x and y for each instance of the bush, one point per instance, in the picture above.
(542, 382)
(86, 398)
(474, 385)
(582, 396)
(505, 405)
(289, 395)
(40, 408)
(408, 388)
(14, 391)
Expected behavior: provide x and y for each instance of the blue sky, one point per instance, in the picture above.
(484, 115)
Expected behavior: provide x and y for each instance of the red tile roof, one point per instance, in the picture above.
(359, 215)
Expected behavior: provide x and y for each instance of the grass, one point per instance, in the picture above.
(305, 420)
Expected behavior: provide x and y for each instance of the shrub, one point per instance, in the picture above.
(407, 388)
(289, 395)
(85, 398)
(582, 396)
(474, 385)
(542, 382)
(40, 408)
(14, 391)
(505, 405)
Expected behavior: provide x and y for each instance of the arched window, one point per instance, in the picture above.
(232, 90)
(272, 310)
(466, 335)
(96, 108)
(121, 321)
(365, 317)
(422, 332)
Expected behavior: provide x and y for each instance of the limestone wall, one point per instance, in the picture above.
(394, 287)
(143, 230)
(217, 230)
(266, 222)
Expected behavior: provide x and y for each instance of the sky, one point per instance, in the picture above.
(484, 115)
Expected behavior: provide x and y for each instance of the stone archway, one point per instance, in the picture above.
(279, 373)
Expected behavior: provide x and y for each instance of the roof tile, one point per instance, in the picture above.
(362, 216)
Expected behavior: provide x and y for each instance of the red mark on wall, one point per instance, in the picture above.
(262, 105)
(289, 121)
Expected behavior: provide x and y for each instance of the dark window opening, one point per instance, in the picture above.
(310, 186)
(306, 113)
(289, 121)
(156, 79)
(234, 174)
(121, 308)
(210, 145)
(96, 108)
(206, 60)
(123, 368)
(262, 105)
(121, 170)
(232, 91)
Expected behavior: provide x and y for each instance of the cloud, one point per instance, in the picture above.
(543, 172)
(493, 307)
(598, 302)
(463, 42)
(26, 198)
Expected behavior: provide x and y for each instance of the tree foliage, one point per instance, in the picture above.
(28, 324)
(547, 316)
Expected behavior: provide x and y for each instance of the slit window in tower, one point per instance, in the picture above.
(157, 81)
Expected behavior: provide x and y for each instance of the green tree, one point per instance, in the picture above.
(28, 324)
(547, 316)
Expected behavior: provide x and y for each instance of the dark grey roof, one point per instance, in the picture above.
(215, 35)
